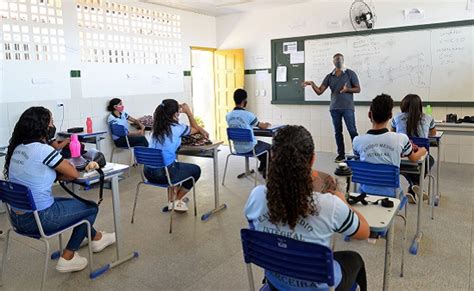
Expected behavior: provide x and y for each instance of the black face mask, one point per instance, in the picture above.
(51, 132)
(245, 104)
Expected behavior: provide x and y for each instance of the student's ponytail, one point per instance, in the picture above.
(289, 183)
(412, 106)
(163, 118)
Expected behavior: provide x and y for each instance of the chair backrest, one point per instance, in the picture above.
(149, 157)
(118, 130)
(288, 257)
(379, 175)
(239, 135)
(17, 196)
(421, 142)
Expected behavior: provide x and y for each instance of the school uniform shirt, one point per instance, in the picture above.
(333, 216)
(170, 144)
(399, 122)
(33, 165)
(121, 120)
(241, 118)
(381, 147)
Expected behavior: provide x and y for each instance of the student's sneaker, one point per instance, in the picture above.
(179, 206)
(412, 196)
(77, 263)
(340, 158)
(106, 240)
(416, 189)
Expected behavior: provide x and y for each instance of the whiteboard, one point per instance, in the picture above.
(437, 64)
(28, 81)
(111, 80)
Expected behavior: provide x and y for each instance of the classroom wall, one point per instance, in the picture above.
(197, 30)
(253, 32)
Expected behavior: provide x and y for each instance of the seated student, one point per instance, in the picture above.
(120, 117)
(413, 122)
(241, 118)
(379, 146)
(166, 136)
(288, 206)
(30, 161)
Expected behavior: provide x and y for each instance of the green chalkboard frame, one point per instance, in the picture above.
(291, 92)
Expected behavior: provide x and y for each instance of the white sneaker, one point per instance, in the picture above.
(106, 240)
(77, 263)
(179, 206)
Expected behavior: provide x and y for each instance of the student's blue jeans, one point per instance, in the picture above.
(178, 172)
(349, 118)
(63, 212)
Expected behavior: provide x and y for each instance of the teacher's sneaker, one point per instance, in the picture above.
(77, 263)
(340, 158)
(106, 240)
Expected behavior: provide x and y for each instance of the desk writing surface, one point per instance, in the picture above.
(81, 134)
(201, 148)
(379, 218)
(109, 170)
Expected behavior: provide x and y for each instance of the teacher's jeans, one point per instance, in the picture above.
(349, 118)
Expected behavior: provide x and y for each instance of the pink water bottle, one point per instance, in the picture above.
(75, 146)
(89, 124)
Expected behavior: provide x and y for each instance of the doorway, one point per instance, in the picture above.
(202, 87)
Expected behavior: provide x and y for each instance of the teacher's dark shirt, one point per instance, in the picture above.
(335, 83)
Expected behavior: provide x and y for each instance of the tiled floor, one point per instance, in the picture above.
(207, 255)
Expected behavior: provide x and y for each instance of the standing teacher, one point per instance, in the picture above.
(343, 83)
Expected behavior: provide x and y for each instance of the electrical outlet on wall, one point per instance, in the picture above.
(257, 93)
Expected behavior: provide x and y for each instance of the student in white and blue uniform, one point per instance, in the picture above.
(380, 146)
(414, 123)
(119, 117)
(288, 206)
(31, 162)
(241, 118)
(166, 136)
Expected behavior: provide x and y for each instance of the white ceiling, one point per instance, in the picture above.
(222, 7)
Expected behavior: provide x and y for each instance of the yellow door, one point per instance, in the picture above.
(229, 76)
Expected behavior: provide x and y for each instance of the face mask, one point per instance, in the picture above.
(338, 64)
(119, 108)
(51, 132)
(245, 104)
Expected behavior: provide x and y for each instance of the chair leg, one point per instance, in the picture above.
(172, 209)
(60, 236)
(256, 172)
(432, 194)
(250, 277)
(135, 202)
(46, 259)
(5, 255)
(112, 155)
(89, 246)
(225, 169)
(194, 198)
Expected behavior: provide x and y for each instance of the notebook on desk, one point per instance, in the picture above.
(108, 168)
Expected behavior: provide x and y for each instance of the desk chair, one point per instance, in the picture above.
(153, 158)
(382, 175)
(120, 131)
(20, 197)
(242, 135)
(289, 257)
(425, 142)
